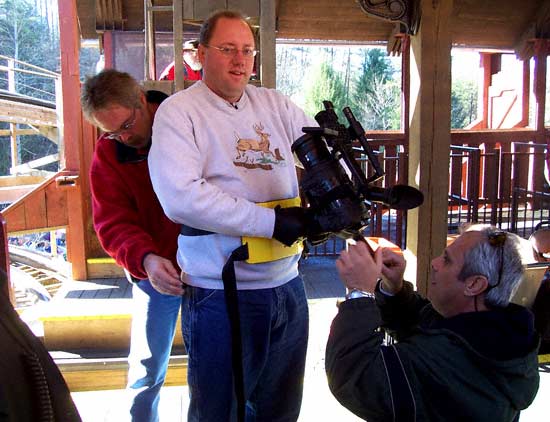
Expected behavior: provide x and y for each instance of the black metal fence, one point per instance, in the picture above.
(502, 186)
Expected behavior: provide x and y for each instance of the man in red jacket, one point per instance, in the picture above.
(132, 227)
(192, 67)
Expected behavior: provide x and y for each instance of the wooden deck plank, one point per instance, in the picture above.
(321, 278)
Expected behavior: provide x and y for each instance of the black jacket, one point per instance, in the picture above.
(478, 366)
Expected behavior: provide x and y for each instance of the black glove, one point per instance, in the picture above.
(290, 224)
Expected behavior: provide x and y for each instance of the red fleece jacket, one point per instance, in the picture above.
(128, 218)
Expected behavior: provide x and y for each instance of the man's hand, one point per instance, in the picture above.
(393, 268)
(162, 275)
(358, 269)
(290, 224)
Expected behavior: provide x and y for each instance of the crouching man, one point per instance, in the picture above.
(466, 354)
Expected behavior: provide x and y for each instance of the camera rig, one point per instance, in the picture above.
(339, 204)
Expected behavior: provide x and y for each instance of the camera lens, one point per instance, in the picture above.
(311, 151)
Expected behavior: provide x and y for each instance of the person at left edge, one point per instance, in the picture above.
(132, 227)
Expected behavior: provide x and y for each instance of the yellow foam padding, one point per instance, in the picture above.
(105, 260)
(544, 358)
(261, 249)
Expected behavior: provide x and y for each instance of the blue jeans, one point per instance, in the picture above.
(274, 325)
(153, 326)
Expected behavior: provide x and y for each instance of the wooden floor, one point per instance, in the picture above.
(323, 289)
(81, 313)
(112, 288)
(318, 404)
(319, 275)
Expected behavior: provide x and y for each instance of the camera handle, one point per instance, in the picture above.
(356, 131)
(358, 237)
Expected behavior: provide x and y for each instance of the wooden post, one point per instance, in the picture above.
(69, 41)
(540, 77)
(483, 101)
(429, 141)
(5, 284)
(267, 44)
(13, 146)
(177, 29)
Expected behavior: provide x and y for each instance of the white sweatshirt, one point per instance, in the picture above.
(210, 162)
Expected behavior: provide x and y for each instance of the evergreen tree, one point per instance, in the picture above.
(463, 103)
(324, 84)
(25, 36)
(376, 96)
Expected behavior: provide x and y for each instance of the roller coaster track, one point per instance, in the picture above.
(43, 282)
(94, 369)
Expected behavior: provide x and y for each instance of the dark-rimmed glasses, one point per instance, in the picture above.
(124, 128)
(497, 239)
(248, 52)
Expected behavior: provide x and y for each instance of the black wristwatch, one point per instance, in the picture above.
(356, 293)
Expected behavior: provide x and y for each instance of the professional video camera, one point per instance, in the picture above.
(339, 204)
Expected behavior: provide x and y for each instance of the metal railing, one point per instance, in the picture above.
(30, 104)
(485, 185)
(28, 81)
(499, 185)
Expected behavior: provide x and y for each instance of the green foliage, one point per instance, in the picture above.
(26, 36)
(362, 78)
(463, 103)
(377, 94)
(324, 83)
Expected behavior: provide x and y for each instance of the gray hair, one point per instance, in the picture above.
(109, 87)
(500, 263)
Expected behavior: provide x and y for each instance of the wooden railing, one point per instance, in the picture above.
(30, 108)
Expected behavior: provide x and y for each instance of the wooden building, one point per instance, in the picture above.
(421, 32)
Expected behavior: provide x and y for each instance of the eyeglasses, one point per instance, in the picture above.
(124, 128)
(248, 52)
(497, 239)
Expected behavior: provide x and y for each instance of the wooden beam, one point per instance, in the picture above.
(13, 193)
(540, 89)
(19, 179)
(112, 374)
(430, 137)
(17, 112)
(41, 209)
(267, 44)
(537, 27)
(6, 290)
(75, 161)
(491, 136)
(31, 165)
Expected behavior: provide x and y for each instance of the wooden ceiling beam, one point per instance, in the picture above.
(538, 28)
(490, 24)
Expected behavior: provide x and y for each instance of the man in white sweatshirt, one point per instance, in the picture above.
(221, 150)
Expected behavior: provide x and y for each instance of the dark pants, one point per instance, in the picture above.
(274, 325)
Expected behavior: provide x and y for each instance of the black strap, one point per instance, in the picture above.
(191, 231)
(232, 304)
(402, 397)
